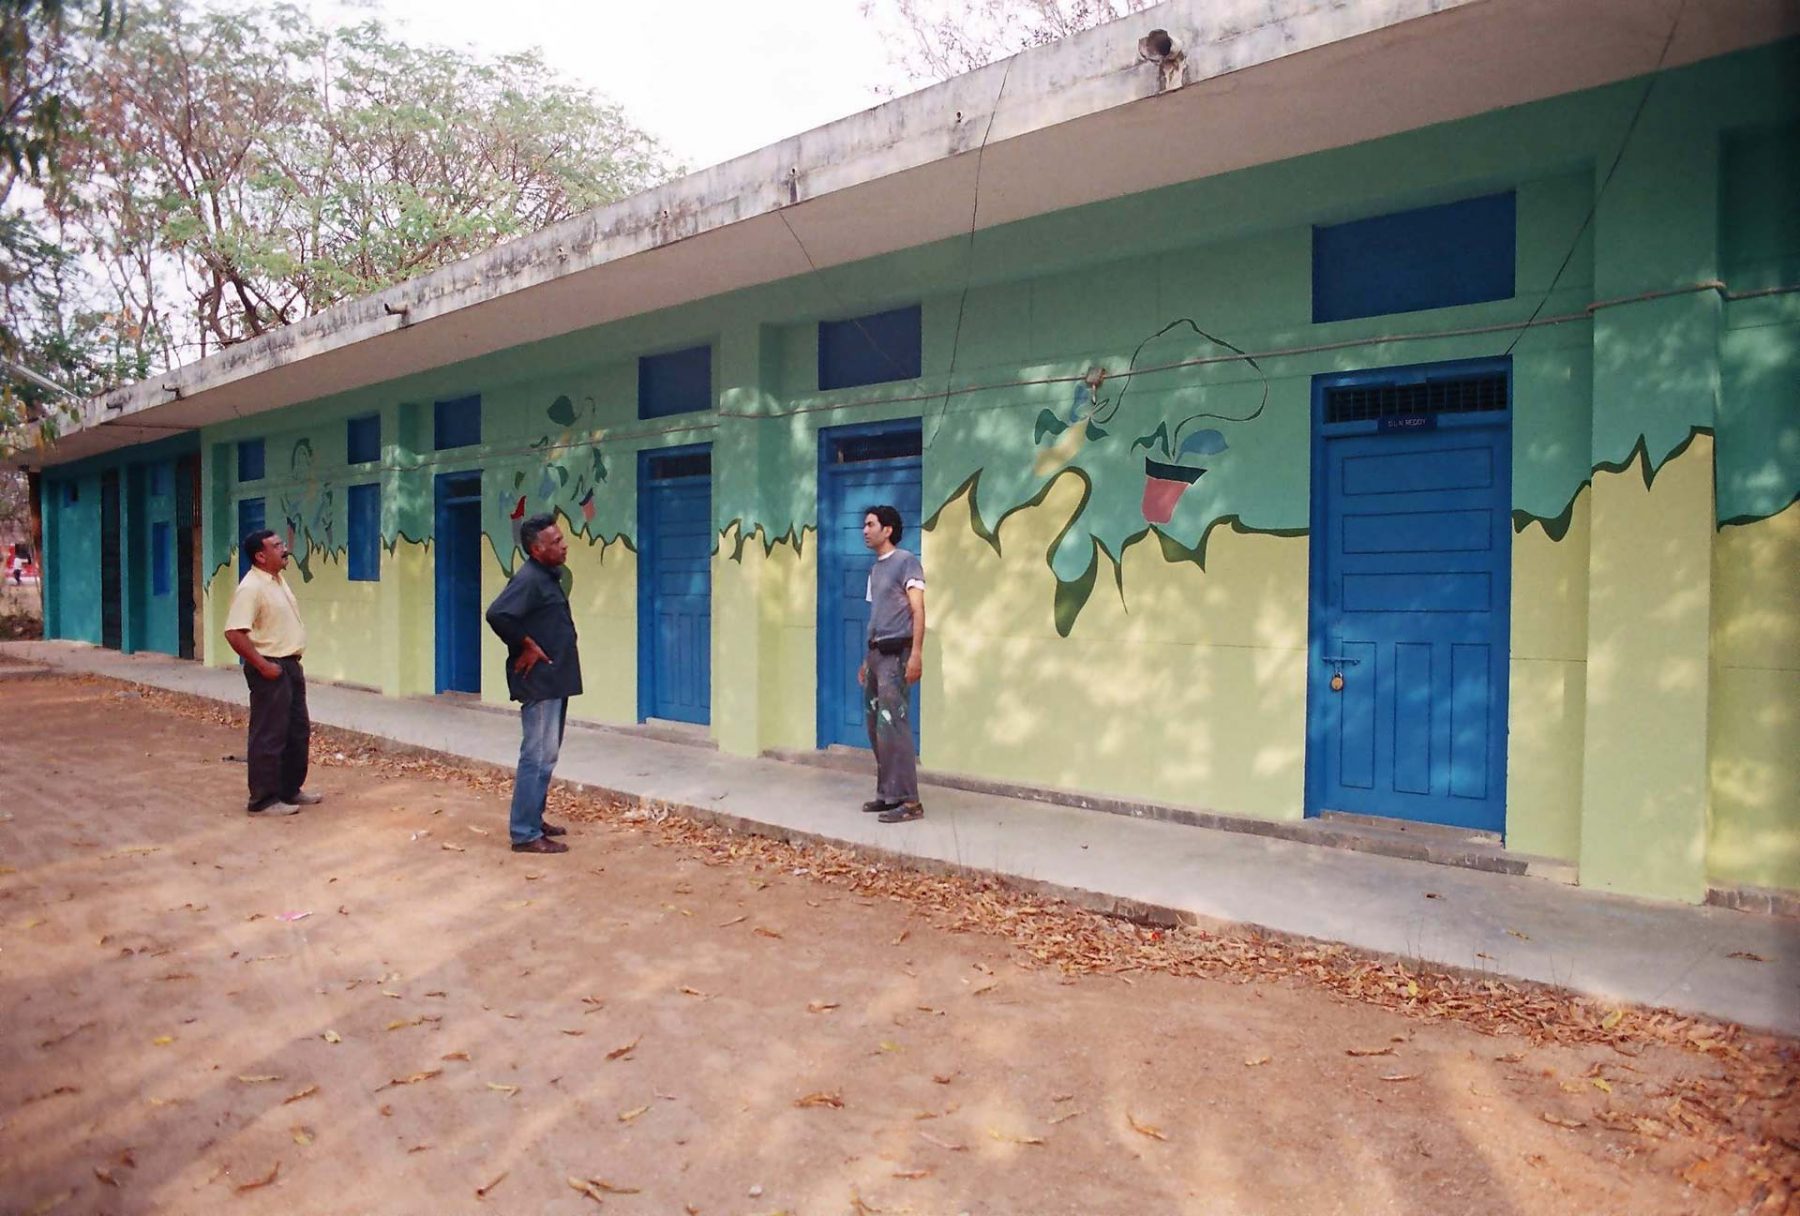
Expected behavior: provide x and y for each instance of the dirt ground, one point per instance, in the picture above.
(376, 1007)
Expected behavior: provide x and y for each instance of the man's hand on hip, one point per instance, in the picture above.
(530, 655)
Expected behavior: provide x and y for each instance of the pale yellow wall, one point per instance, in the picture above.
(342, 640)
(1644, 783)
(1548, 684)
(603, 599)
(1190, 689)
(408, 616)
(1755, 719)
(765, 657)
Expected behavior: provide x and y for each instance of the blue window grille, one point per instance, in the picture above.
(1432, 257)
(679, 382)
(161, 557)
(362, 439)
(875, 349)
(456, 424)
(365, 533)
(250, 459)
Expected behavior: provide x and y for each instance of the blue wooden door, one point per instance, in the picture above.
(860, 467)
(457, 537)
(1411, 570)
(675, 544)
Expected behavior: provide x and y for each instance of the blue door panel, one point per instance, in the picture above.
(457, 538)
(846, 491)
(675, 589)
(1411, 607)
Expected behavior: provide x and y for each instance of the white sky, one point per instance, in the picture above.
(712, 79)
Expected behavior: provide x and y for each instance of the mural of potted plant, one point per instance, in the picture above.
(1068, 435)
(1167, 479)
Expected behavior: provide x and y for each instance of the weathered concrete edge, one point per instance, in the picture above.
(1085, 74)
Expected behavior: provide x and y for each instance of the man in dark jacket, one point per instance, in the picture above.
(543, 670)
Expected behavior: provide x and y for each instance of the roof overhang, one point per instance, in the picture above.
(1252, 90)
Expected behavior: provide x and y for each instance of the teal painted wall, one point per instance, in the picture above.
(147, 475)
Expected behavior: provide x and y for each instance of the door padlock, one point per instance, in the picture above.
(1337, 681)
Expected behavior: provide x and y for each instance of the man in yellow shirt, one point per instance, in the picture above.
(264, 628)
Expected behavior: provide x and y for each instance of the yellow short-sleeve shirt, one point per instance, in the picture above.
(265, 606)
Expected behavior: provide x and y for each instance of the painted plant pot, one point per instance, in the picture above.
(1164, 484)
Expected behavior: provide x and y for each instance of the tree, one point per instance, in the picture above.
(945, 38)
(38, 118)
(242, 169)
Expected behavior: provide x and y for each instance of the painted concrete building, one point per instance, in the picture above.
(1388, 410)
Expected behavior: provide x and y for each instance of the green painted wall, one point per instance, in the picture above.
(1639, 427)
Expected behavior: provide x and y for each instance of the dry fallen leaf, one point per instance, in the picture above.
(308, 1092)
(163, 1040)
(587, 1188)
(1559, 1121)
(822, 1098)
(332, 1036)
(508, 1090)
(943, 1078)
(594, 1004)
(452, 848)
(912, 1175)
(1400, 1076)
(303, 1136)
(626, 1116)
(1144, 1129)
(947, 1145)
(624, 1049)
(1063, 1118)
(1009, 1138)
(762, 932)
(414, 1079)
(1368, 1051)
(481, 1192)
(1747, 956)
(574, 1033)
(52, 1203)
(1611, 1019)
(265, 1180)
(820, 1006)
(613, 1188)
(1256, 1061)
(454, 1055)
(736, 920)
(258, 1079)
(686, 991)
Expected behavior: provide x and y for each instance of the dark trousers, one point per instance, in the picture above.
(887, 698)
(279, 734)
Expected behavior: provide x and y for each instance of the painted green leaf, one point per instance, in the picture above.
(1094, 432)
(518, 479)
(562, 412)
(1047, 424)
(1159, 439)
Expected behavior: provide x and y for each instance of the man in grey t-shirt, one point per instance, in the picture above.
(896, 643)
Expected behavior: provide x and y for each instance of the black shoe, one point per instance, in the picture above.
(878, 805)
(903, 812)
(543, 844)
(551, 829)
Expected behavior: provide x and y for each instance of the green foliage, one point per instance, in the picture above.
(206, 176)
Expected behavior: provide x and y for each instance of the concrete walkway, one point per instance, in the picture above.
(1518, 927)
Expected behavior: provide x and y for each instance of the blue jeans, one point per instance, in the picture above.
(543, 722)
